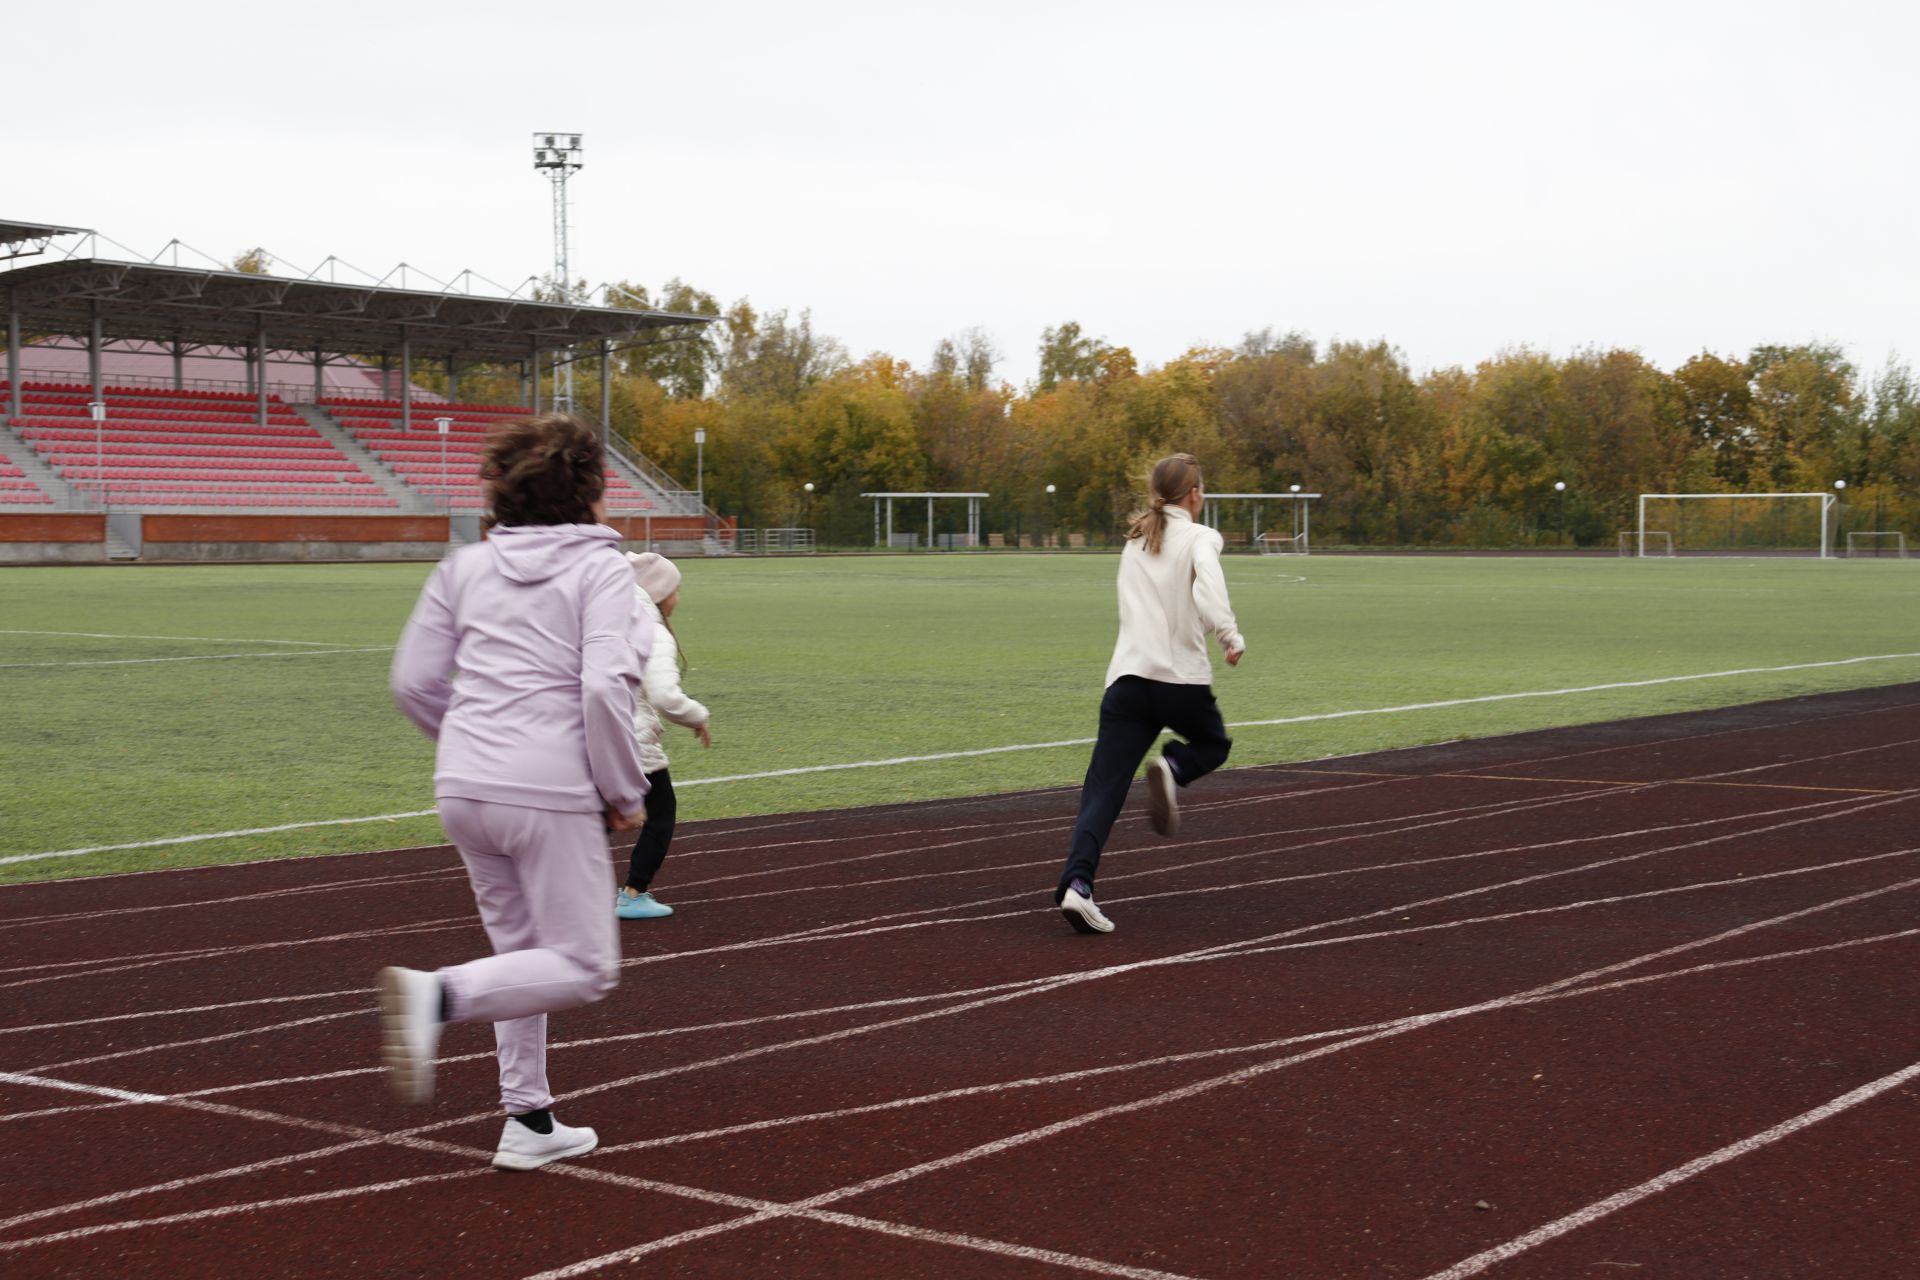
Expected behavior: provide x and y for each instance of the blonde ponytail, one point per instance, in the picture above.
(1172, 480)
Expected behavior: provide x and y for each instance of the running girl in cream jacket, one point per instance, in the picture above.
(657, 581)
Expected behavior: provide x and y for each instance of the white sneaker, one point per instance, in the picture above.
(1077, 906)
(410, 1021)
(522, 1148)
(1163, 806)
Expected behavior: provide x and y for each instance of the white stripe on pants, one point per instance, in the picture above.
(541, 882)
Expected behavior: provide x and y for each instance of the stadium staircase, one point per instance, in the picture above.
(27, 482)
(321, 421)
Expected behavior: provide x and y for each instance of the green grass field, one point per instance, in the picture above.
(834, 661)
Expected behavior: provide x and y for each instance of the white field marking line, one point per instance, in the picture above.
(759, 1207)
(20, 1077)
(948, 1094)
(241, 1034)
(1501, 808)
(1479, 1262)
(828, 932)
(987, 751)
(329, 886)
(114, 635)
(1198, 1055)
(358, 992)
(1590, 688)
(1154, 1101)
(181, 957)
(589, 1174)
(197, 657)
(1225, 951)
(935, 997)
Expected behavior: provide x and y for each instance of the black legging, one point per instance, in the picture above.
(650, 849)
(1132, 714)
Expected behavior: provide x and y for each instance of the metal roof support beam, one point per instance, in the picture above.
(319, 374)
(260, 373)
(13, 360)
(406, 379)
(606, 394)
(179, 365)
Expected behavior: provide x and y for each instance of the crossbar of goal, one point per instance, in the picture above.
(1827, 503)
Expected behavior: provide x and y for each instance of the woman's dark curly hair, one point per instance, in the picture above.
(548, 469)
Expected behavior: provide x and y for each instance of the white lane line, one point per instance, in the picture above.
(1010, 1142)
(197, 657)
(241, 1034)
(327, 886)
(941, 1096)
(124, 1095)
(1479, 1262)
(358, 992)
(115, 635)
(988, 751)
(181, 957)
(1199, 1055)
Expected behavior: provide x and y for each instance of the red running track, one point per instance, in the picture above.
(1631, 999)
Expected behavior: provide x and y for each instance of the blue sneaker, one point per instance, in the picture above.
(629, 905)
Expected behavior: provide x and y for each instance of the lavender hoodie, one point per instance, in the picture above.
(538, 623)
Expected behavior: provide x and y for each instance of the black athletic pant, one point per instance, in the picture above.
(650, 848)
(1132, 714)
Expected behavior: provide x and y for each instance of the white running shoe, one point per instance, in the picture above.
(522, 1148)
(410, 1022)
(1163, 806)
(1077, 906)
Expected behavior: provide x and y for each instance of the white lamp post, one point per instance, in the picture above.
(700, 466)
(442, 425)
(98, 408)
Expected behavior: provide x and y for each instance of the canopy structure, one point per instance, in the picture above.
(1298, 517)
(34, 236)
(973, 514)
(106, 301)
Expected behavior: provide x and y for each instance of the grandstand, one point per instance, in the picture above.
(358, 443)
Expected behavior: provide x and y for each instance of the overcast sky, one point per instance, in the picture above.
(1453, 178)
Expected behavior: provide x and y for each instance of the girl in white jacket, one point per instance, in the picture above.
(657, 580)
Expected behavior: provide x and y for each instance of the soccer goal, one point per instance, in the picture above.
(1647, 542)
(1876, 543)
(1739, 524)
(1280, 544)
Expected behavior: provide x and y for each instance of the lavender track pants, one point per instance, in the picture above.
(543, 885)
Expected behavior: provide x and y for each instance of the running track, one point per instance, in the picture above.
(1624, 1000)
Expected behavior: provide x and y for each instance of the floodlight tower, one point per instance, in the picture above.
(558, 154)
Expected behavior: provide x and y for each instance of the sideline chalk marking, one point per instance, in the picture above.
(124, 1095)
(991, 751)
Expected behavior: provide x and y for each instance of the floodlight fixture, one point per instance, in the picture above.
(556, 153)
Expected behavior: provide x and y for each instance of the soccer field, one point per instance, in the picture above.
(150, 704)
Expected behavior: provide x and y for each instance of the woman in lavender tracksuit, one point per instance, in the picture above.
(536, 761)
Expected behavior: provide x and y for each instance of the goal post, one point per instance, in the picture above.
(1877, 543)
(1646, 542)
(1740, 524)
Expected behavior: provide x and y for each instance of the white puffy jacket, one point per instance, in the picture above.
(660, 695)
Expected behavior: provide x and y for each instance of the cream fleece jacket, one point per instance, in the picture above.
(1170, 602)
(661, 697)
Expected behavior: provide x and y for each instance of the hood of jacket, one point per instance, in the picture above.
(536, 552)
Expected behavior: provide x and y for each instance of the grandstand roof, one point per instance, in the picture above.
(35, 235)
(143, 300)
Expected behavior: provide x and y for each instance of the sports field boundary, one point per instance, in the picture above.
(976, 752)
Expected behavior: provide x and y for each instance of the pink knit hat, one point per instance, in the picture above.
(654, 574)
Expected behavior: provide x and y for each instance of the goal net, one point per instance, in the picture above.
(1280, 544)
(1647, 542)
(1738, 524)
(1876, 543)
